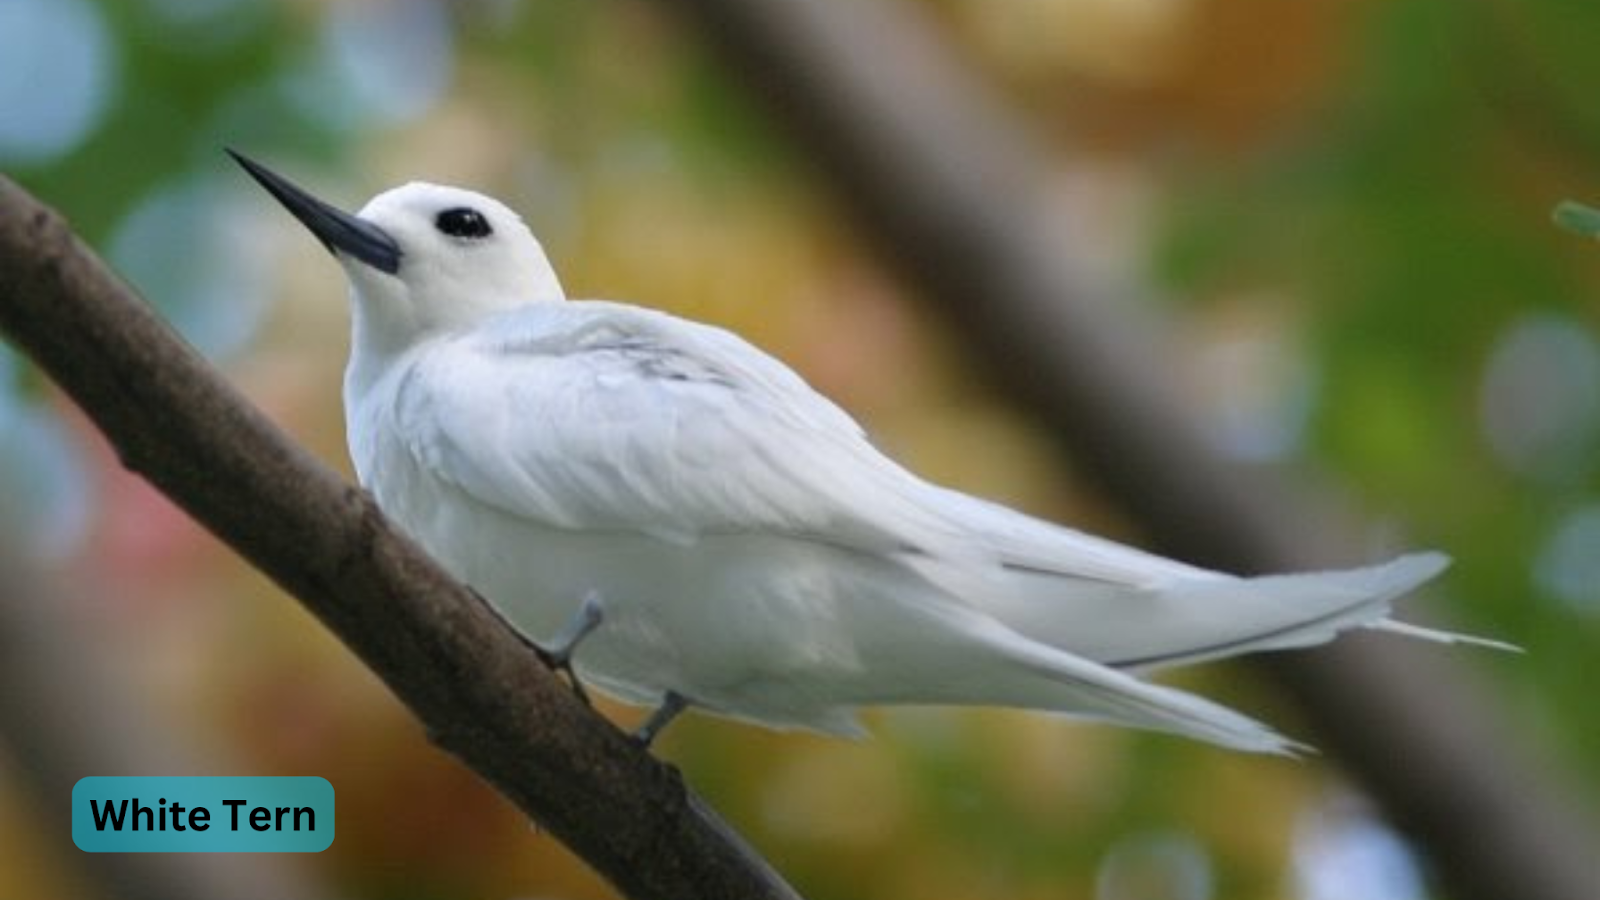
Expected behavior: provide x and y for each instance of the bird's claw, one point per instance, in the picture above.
(671, 706)
(558, 656)
(562, 663)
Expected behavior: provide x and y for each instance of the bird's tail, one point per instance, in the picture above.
(1078, 688)
(988, 664)
(1194, 619)
(1281, 612)
(1186, 620)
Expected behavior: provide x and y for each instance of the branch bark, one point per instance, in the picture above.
(479, 692)
(945, 181)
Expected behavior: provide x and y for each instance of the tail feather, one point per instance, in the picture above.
(1421, 633)
(1140, 704)
(1194, 620)
(1283, 612)
(1021, 673)
(1187, 620)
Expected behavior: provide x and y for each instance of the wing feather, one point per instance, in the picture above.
(594, 416)
(600, 416)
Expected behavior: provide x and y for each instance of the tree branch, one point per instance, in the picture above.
(946, 183)
(479, 692)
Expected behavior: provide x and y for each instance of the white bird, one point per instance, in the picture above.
(726, 537)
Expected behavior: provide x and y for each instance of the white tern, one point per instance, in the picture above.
(721, 536)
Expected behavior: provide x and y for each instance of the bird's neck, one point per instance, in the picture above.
(380, 334)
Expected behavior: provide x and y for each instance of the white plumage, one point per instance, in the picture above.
(752, 553)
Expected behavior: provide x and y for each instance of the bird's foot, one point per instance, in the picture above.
(558, 655)
(559, 658)
(671, 706)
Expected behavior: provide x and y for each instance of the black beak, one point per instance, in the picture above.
(338, 230)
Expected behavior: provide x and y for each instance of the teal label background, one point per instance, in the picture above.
(207, 792)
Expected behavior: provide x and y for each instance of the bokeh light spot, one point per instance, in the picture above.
(1341, 852)
(195, 257)
(1251, 379)
(1163, 865)
(56, 68)
(1568, 566)
(44, 491)
(1540, 402)
(379, 64)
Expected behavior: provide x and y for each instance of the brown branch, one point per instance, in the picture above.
(481, 695)
(946, 183)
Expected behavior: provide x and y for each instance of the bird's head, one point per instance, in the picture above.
(423, 257)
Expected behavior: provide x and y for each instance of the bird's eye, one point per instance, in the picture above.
(463, 222)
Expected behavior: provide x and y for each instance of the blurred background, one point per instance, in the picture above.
(1338, 213)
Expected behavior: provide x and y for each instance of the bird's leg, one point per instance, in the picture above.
(586, 619)
(671, 705)
(558, 655)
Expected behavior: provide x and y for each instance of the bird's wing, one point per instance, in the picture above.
(597, 416)
(592, 415)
